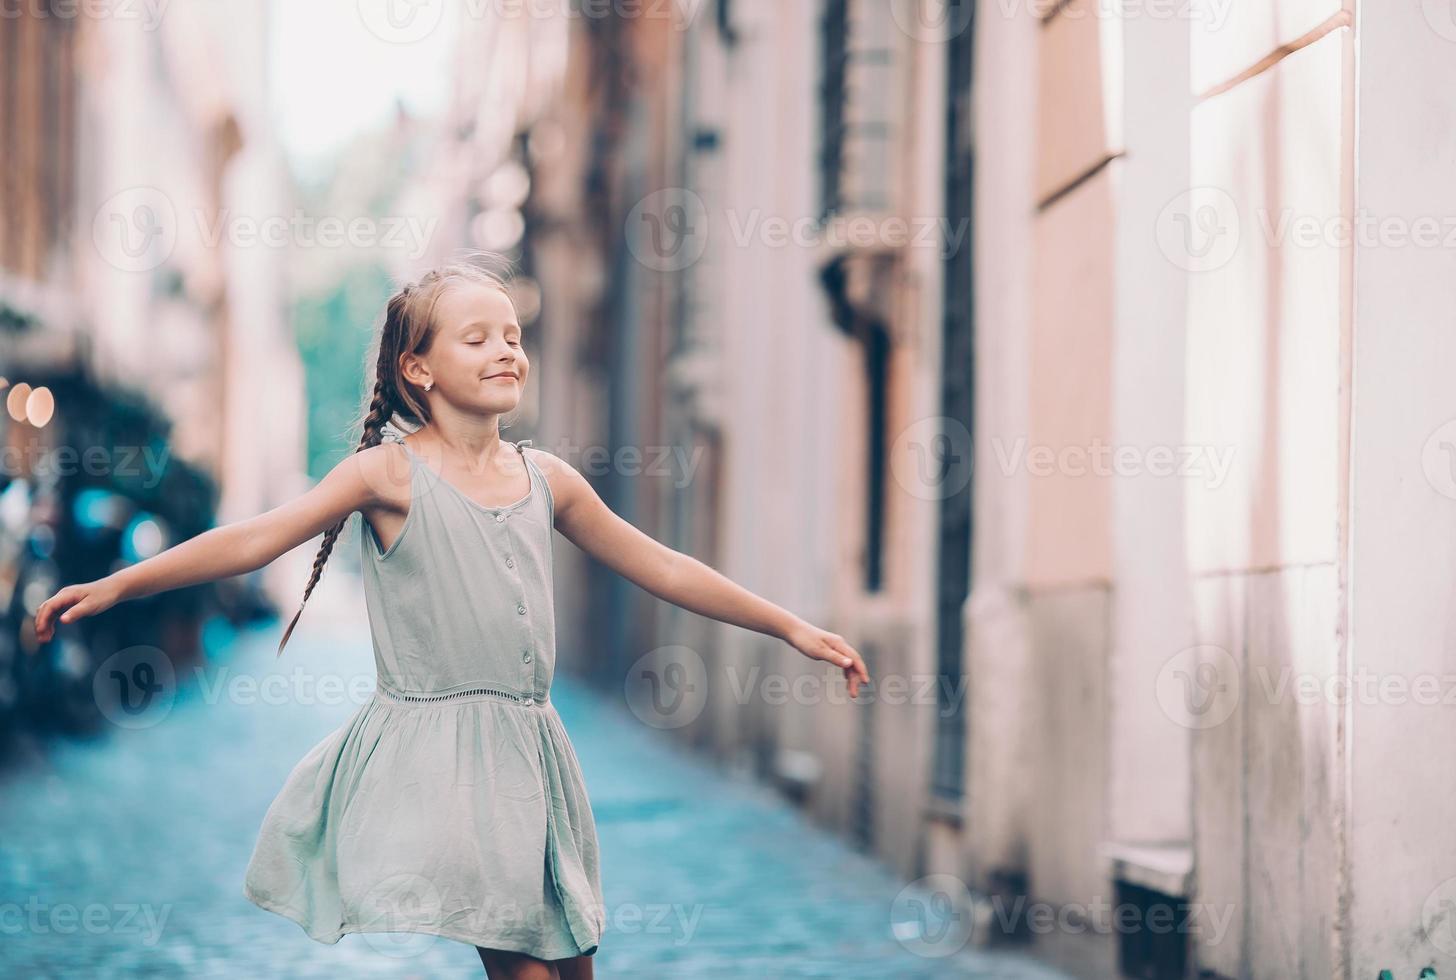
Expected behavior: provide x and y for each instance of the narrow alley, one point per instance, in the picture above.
(124, 856)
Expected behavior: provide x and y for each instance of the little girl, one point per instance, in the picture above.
(452, 803)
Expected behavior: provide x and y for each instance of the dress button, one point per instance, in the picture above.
(521, 608)
(499, 518)
(510, 563)
(526, 656)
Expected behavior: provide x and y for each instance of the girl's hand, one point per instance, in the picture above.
(817, 644)
(75, 602)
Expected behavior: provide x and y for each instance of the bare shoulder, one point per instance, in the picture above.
(385, 472)
(565, 481)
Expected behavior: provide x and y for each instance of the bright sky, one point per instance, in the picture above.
(339, 65)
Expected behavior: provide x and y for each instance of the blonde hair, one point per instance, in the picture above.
(409, 328)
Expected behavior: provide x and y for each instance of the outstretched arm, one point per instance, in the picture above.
(681, 579)
(359, 480)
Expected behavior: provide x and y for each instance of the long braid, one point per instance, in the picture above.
(381, 410)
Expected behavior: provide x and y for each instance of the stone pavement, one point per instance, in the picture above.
(123, 856)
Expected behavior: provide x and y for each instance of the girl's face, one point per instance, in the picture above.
(476, 360)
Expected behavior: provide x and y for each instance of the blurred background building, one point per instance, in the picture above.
(1017, 343)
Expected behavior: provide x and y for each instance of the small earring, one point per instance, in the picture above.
(429, 385)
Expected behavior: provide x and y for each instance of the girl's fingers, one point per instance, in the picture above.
(854, 660)
(46, 615)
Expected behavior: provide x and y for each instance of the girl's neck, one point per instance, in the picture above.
(464, 442)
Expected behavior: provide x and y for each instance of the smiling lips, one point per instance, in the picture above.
(502, 377)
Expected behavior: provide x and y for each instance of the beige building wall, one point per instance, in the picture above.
(160, 145)
(740, 364)
(1266, 326)
(761, 325)
(1129, 630)
(1102, 322)
(1401, 851)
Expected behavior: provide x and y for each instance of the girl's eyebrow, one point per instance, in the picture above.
(481, 324)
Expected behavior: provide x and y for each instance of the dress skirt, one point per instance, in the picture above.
(464, 818)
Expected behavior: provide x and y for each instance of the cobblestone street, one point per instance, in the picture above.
(124, 856)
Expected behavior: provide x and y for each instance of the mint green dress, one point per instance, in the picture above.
(452, 803)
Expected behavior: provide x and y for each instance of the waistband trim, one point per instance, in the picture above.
(467, 694)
